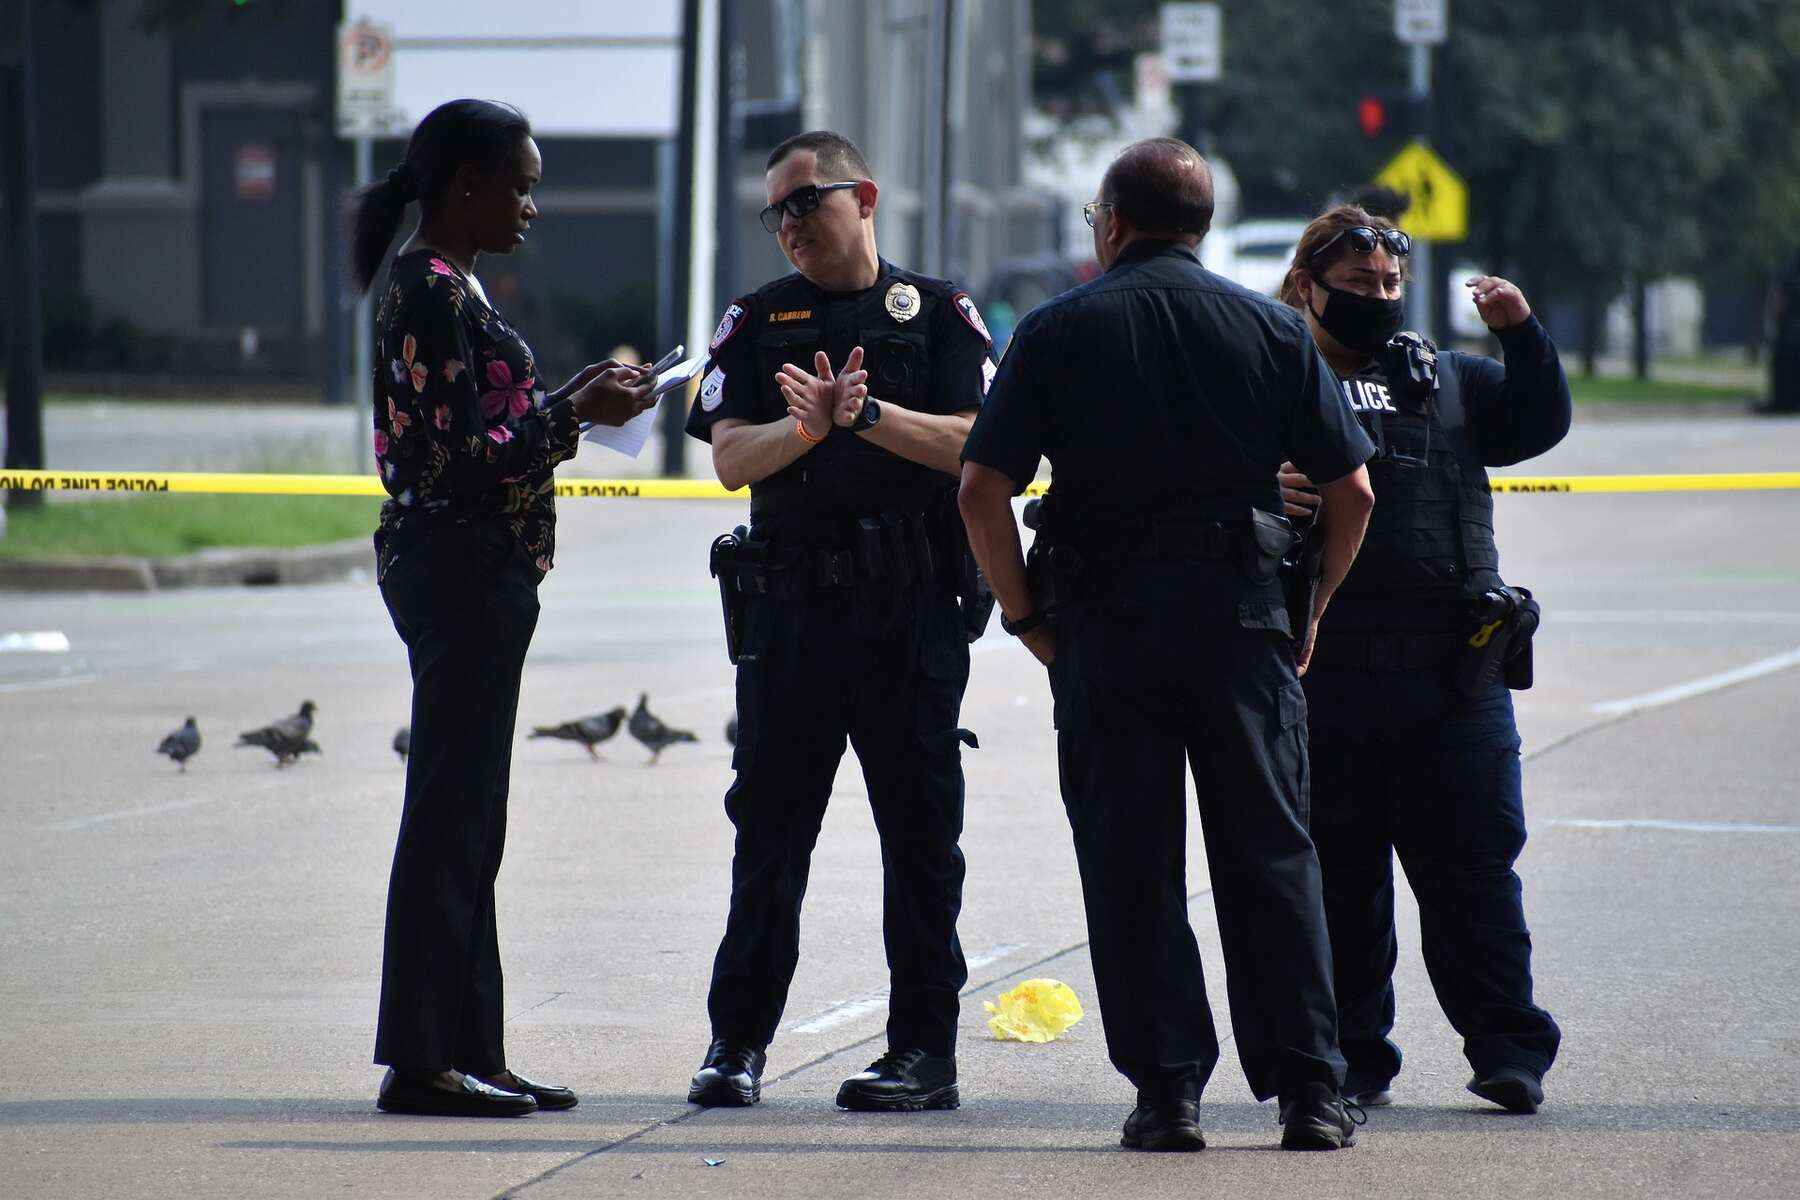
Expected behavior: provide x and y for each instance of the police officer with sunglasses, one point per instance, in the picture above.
(841, 395)
(1413, 743)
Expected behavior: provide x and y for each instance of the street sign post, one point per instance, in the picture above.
(365, 81)
(1192, 44)
(1421, 22)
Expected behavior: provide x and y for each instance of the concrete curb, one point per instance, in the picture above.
(207, 568)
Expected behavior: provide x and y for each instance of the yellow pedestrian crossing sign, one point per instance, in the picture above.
(1439, 211)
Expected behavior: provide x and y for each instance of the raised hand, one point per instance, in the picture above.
(1499, 301)
(615, 394)
(852, 390)
(816, 399)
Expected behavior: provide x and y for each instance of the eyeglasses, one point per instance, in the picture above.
(1091, 207)
(799, 203)
(1364, 239)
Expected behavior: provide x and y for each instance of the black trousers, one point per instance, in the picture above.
(886, 674)
(1185, 665)
(1402, 764)
(464, 600)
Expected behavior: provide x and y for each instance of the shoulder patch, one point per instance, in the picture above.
(966, 306)
(728, 325)
(712, 388)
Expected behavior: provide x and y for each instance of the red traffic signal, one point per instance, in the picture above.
(1371, 115)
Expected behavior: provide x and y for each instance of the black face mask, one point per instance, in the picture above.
(1360, 323)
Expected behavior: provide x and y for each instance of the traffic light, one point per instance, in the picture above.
(1371, 115)
(1395, 113)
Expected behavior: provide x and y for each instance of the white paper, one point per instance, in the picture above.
(628, 439)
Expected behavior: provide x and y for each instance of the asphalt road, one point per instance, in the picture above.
(188, 963)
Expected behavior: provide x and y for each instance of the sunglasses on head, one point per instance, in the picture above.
(1364, 239)
(800, 202)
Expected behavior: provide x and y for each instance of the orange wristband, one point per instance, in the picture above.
(809, 439)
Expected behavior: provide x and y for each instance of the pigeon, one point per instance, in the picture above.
(655, 736)
(287, 738)
(183, 744)
(589, 731)
(403, 742)
(731, 729)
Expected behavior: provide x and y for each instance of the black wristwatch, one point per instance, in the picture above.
(868, 417)
(1023, 625)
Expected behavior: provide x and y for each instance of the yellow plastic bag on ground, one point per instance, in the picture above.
(1038, 1010)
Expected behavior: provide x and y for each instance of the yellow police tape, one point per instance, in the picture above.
(702, 489)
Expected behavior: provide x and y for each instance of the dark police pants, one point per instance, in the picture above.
(1403, 764)
(1185, 664)
(817, 669)
(464, 600)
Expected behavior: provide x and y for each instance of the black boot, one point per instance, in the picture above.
(1315, 1117)
(902, 1081)
(731, 1076)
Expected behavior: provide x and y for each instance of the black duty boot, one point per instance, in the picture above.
(731, 1076)
(902, 1081)
(1166, 1125)
(1315, 1117)
(1513, 1088)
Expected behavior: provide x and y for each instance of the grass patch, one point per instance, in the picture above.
(1614, 389)
(158, 526)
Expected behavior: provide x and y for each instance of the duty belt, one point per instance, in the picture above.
(1166, 539)
(1386, 651)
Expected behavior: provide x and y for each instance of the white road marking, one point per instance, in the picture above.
(1674, 826)
(1699, 687)
(1635, 616)
(877, 999)
(49, 641)
(75, 823)
(37, 684)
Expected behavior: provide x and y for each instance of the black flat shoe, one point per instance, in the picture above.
(419, 1096)
(1172, 1125)
(1513, 1088)
(549, 1097)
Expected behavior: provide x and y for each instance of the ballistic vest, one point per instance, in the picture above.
(1429, 548)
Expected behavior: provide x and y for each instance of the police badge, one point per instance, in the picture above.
(902, 302)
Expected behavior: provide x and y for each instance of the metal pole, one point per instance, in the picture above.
(362, 336)
(677, 216)
(1422, 295)
(18, 197)
(730, 146)
(937, 107)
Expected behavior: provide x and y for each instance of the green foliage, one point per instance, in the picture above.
(156, 526)
(1601, 140)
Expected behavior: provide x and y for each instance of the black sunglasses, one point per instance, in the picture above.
(799, 203)
(1364, 239)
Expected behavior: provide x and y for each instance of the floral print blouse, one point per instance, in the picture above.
(462, 428)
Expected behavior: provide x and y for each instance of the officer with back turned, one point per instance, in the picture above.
(842, 394)
(1165, 397)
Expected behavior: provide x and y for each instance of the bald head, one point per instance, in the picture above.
(1162, 188)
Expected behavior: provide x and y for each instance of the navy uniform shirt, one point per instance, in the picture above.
(1160, 379)
(925, 348)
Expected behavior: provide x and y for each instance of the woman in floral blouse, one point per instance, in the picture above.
(466, 437)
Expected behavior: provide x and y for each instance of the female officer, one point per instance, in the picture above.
(465, 440)
(1404, 760)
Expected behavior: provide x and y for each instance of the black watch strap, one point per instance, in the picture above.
(1023, 625)
(867, 416)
